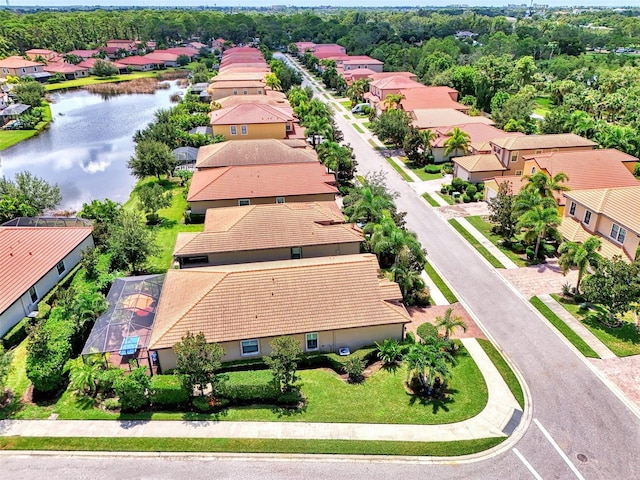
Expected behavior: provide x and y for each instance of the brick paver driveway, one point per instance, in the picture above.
(540, 279)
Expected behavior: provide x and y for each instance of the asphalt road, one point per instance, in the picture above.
(579, 428)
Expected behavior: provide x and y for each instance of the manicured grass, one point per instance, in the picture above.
(419, 171)
(367, 125)
(544, 106)
(346, 117)
(446, 198)
(505, 370)
(8, 138)
(623, 341)
(475, 244)
(430, 200)
(563, 328)
(382, 398)
(399, 169)
(375, 145)
(442, 286)
(250, 445)
(346, 105)
(484, 227)
(357, 127)
(361, 179)
(93, 80)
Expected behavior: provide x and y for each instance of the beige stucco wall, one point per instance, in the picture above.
(22, 307)
(519, 164)
(221, 92)
(261, 130)
(474, 177)
(272, 254)
(201, 207)
(20, 72)
(329, 341)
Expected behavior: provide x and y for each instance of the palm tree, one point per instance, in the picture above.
(408, 279)
(580, 255)
(427, 362)
(529, 199)
(272, 81)
(83, 373)
(388, 239)
(393, 100)
(318, 127)
(427, 137)
(539, 223)
(357, 90)
(458, 140)
(449, 322)
(370, 207)
(389, 351)
(546, 186)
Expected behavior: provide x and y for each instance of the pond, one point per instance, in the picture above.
(86, 148)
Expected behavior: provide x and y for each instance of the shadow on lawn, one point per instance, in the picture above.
(440, 402)
(626, 332)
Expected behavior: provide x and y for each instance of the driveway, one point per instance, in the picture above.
(540, 279)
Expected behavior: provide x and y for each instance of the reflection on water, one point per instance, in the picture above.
(87, 146)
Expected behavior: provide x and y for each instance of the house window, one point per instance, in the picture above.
(533, 170)
(296, 253)
(259, 91)
(514, 157)
(250, 347)
(195, 260)
(234, 130)
(243, 202)
(572, 208)
(518, 172)
(311, 342)
(618, 233)
(245, 92)
(279, 199)
(288, 126)
(33, 294)
(235, 91)
(243, 129)
(24, 70)
(60, 266)
(538, 151)
(587, 217)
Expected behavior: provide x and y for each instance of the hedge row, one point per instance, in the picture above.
(167, 392)
(17, 334)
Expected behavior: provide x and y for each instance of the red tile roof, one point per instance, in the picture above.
(63, 67)
(28, 253)
(255, 152)
(188, 51)
(84, 53)
(257, 181)
(18, 62)
(250, 113)
(478, 132)
(161, 55)
(397, 82)
(135, 60)
(430, 97)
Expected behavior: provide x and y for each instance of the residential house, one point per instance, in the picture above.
(476, 168)
(162, 59)
(608, 213)
(262, 233)
(198, 46)
(190, 52)
(84, 54)
(430, 97)
(32, 261)
(355, 75)
(138, 63)
(389, 85)
(234, 86)
(90, 63)
(362, 62)
(270, 97)
(328, 48)
(479, 133)
(218, 44)
(434, 118)
(255, 152)
(16, 66)
(251, 121)
(130, 46)
(259, 184)
(69, 70)
(46, 55)
(324, 303)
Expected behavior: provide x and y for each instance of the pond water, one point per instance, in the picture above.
(86, 148)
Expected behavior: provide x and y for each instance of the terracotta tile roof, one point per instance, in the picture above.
(430, 97)
(84, 53)
(90, 62)
(233, 75)
(396, 82)
(362, 60)
(531, 142)
(40, 51)
(588, 169)
(444, 117)
(237, 302)
(249, 113)
(261, 227)
(272, 98)
(515, 180)
(573, 231)
(135, 60)
(243, 68)
(161, 55)
(256, 181)
(63, 67)
(357, 74)
(254, 152)
(236, 84)
(479, 163)
(381, 75)
(188, 51)
(18, 62)
(28, 253)
(619, 204)
(480, 133)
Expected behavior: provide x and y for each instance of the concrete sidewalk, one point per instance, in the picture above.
(498, 419)
(600, 348)
(486, 243)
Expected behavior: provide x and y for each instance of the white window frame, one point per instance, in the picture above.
(616, 232)
(533, 170)
(587, 217)
(64, 267)
(306, 342)
(280, 200)
(233, 130)
(514, 157)
(244, 130)
(572, 209)
(243, 202)
(249, 354)
(33, 293)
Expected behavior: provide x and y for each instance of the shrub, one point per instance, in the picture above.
(471, 190)
(291, 398)
(465, 198)
(427, 330)
(636, 169)
(409, 338)
(422, 298)
(444, 189)
(480, 187)
(458, 184)
(132, 390)
(247, 394)
(354, 367)
(17, 334)
(167, 391)
(478, 197)
(111, 403)
(447, 168)
(44, 309)
(432, 168)
(106, 379)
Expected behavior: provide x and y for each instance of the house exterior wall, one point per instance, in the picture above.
(272, 254)
(201, 206)
(474, 177)
(22, 307)
(141, 68)
(513, 159)
(20, 72)
(490, 190)
(221, 92)
(328, 341)
(375, 67)
(254, 131)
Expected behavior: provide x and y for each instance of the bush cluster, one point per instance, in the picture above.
(167, 391)
(17, 334)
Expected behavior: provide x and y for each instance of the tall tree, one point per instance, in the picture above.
(198, 363)
(34, 192)
(449, 322)
(283, 361)
(457, 142)
(580, 255)
(130, 242)
(501, 208)
(152, 158)
(544, 185)
(153, 198)
(540, 223)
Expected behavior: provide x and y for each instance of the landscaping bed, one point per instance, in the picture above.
(484, 227)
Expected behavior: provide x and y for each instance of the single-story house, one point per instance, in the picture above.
(69, 70)
(324, 303)
(84, 54)
(90, 63)
(430, 97)
(608, 213)
(259, 184)
(190, 52)
(251, 121)
(136, 62)
(162, 59)
(255, 152)
(261, 233)
(32, 261)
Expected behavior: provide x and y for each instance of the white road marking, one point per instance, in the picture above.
(559, 450)
(535, 474)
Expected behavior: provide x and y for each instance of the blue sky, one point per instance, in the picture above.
(344, 3)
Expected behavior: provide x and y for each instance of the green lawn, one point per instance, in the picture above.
(357, 127)
(446, 198)
(171, 224)
(380, 399)
(443, 287)
(250, 445)
(93, 80)
(9, 138)
(505, 370)
(399, 169)
(346, 117)
(346, 105)
(367, 125)
(484, 227)
(623, 341)
(476, 244)
(419, 171)
(430, 200)
(543, 105)
(563, 328)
